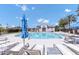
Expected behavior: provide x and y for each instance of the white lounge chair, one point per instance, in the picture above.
(18, 50)
(73, 47)
(31, 47)
(39, 47)
(74, 39)
(35, 49)
(64, 50)
(4, 40)
(6, 47)
(69, 39)
(53, 51)
(7, 44)
(30, 50)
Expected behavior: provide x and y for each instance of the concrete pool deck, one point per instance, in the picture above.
(46, 42)
(39, 42)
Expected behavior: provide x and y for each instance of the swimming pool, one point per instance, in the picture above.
(45, 35)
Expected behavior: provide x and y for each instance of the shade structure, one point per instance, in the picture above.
(24, 28)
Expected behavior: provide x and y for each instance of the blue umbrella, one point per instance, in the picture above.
(24, 29)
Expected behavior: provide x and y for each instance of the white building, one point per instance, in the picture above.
(45, 28)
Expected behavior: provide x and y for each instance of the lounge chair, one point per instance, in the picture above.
(68, 39)
(73, 47)
(39, 48)
(8, 44)
(44, 50)
(31, 47)
(4, 42)
(35, 50)
(64, 50)
(72, 39)
(3, 39)
(53, 51)
(31, 50)
(18, 50)
(75, 39)
(4, 48)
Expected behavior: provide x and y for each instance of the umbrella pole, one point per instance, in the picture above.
(24, 45)
(23, 42)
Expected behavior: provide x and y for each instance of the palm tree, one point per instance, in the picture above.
(70, 18)
(67, 21)
(0, 28)
(62, 23)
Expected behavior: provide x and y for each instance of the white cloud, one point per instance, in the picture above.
(33, 8)
(13, 26)
(67, 10)
(24, 8)
(27, 19)
(4, 26)
(17, 5)
(46, 21)
(16, 17)
(19, 18)
(40, 20)
(56, 24)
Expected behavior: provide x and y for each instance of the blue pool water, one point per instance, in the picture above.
(44, 35)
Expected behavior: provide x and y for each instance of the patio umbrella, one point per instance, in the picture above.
(24, 29)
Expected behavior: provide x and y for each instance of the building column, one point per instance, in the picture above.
(46, 28)
(73, 31)
(41, 28)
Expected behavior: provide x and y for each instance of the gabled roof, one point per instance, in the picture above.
(45, 24)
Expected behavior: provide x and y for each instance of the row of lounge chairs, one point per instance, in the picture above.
(27, 50)
(72, 39)
(15, 48)
(3, 40)
(6, 45)
(63, 49)
(73, 47)
(57, 49)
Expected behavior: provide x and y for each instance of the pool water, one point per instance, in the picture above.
(45, 35)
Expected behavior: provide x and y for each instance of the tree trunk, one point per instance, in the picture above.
(69, 25)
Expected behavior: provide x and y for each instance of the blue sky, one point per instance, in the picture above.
(51, 13)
